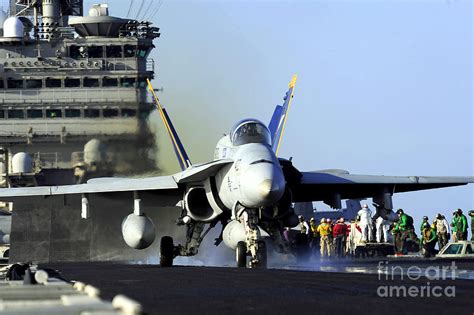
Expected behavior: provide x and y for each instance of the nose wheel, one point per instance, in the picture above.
(241, 255)
(259, 260)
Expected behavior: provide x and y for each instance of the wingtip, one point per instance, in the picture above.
(293, 81)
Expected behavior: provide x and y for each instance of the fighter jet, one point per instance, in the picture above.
(247, 188)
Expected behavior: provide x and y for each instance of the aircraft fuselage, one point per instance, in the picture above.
(254, 180)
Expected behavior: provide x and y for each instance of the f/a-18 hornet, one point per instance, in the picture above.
(247, 188)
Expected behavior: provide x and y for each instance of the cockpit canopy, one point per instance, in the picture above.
(250, 131)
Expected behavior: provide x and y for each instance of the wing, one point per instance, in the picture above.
(158, 184)
(98, 185)
(322, 186)
(278, 121)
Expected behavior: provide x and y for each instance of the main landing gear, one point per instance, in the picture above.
(194, 237)
(166, 251)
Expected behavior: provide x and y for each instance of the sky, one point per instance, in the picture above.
(384, 86)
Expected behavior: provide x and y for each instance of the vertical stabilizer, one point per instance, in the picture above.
(278, 121)
(179, 150)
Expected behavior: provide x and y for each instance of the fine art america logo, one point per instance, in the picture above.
(394, 273)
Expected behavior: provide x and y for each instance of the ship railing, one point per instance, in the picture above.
(46, 159)
(86, 95)
(119, 64)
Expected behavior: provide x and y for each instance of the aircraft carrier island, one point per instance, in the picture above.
(73, 87)
(74, 105)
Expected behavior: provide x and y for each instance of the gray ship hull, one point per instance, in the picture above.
(51, 230)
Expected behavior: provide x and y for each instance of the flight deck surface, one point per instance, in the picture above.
(212, 290)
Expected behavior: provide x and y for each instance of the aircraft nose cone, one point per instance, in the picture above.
(262, 186)
(265, 188)
(269, 190)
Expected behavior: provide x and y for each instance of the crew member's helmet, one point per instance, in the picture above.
(400, 211)
(323, 220)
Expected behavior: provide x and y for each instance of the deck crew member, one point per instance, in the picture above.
(365, 223)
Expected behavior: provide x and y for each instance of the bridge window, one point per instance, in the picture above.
(127, 82)
(114, 51)
(71, 82)
(141, 83)
(78, 52)
(2, 114)
(91, 113)
(16, 113)
(34, 113)
(127, 112)
(129, 51)
(95, 52)
(71, 113)
(53, 83)
(108, 82)
(2, 84)
(34, 84)
(53, 113)
(14, 84)
(91, 82)
(142, 51)
(110, 112)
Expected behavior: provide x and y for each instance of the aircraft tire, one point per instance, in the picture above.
(166, 251)
(262, 255)
(241, 254)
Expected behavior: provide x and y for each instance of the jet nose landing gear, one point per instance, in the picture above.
(257, 253)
